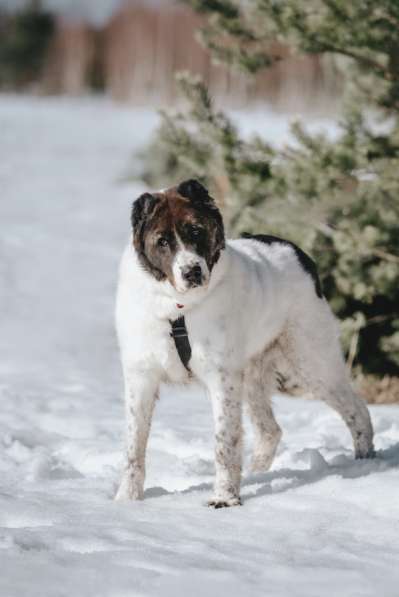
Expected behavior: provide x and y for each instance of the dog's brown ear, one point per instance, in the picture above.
(142, 207)
(194, 190)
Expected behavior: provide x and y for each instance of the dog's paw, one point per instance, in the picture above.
(366, 453)
(123, 496)
(261, 463)
(129, 491)
(224, 503)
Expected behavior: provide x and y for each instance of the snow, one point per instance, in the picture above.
(319, 523)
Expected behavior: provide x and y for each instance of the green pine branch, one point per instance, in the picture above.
(338, 199)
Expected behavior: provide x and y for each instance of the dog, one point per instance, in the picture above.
(246, 318)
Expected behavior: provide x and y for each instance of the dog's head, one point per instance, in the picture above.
(178, 234)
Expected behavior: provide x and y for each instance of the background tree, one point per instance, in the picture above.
(24, 40)
(338, 198)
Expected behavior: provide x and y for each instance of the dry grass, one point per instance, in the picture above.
(375, 390)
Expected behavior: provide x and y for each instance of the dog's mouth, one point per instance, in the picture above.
(195, 284)
(192, 288)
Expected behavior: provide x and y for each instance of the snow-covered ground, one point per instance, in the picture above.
(318, 524)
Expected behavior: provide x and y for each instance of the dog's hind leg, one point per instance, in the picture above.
(316, 361)
(355, 414)
(337, 392)
(258, 388)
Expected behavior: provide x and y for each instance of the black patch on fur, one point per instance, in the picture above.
(205, 204)
(194, 190)
(306, 262)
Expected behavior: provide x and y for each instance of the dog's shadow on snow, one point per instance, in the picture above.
(343, 466)
(286, 479)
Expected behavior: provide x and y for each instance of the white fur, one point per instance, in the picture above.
(186, 258)
(257, 320)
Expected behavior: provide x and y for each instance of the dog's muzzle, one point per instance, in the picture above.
(193, 276)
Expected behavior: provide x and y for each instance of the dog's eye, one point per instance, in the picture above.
(162, 242)
(196, 231)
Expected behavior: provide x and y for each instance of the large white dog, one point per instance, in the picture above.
(246, 318)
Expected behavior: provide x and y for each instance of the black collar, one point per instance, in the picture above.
(180, 336)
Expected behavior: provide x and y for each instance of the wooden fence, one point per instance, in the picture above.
(136, 55)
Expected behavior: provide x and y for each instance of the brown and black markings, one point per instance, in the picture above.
(185, 212)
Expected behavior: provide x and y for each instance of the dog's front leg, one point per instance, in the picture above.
(140, 393)
(225, 395)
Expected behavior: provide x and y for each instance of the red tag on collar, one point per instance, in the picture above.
(179, 306)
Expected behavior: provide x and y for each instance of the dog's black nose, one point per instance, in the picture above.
(193, 275)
